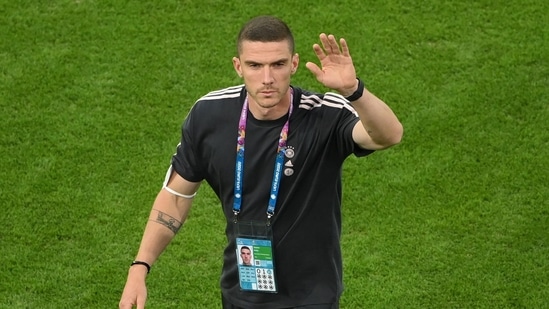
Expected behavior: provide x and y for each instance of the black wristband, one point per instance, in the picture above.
(358, 93)
(142, 263)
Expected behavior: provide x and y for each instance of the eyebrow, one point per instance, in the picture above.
(283, 60)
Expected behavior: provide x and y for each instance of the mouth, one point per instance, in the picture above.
(267, 92)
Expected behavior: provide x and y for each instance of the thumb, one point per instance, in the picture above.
(315, 70)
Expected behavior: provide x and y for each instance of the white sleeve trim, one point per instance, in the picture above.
(172, 191)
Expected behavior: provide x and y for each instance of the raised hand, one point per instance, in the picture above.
(337, 70)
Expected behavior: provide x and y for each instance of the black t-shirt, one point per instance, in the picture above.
(307, 220)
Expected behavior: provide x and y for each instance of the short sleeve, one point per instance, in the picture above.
(185, 161)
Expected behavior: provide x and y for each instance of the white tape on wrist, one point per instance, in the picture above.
(179, 194)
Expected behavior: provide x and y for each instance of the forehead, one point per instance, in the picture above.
(264, 51)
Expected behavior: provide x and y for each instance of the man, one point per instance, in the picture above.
(246, 256)
(281, 189)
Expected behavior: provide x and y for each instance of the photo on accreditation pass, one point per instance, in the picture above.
(245, 255)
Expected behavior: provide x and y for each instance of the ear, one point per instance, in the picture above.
(237, 66)
(295, 63)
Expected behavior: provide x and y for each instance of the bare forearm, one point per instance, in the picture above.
(156, 238)
(169, 211)
(378, 121)
(166, 218)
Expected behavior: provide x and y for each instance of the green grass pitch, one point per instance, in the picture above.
(93, 93)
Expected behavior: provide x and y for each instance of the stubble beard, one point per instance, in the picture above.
(269, 101)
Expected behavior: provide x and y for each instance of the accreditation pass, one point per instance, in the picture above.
(255, 265)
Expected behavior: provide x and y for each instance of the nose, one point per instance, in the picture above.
(267, 76)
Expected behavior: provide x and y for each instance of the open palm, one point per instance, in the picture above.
(337, 70)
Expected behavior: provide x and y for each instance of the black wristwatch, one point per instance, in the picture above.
(358, 93)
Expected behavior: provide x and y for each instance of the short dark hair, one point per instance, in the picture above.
(245, 247)
(265, 28)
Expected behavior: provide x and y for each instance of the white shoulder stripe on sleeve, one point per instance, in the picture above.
(230, 92)
(330, 99)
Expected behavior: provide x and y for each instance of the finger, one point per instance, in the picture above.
(140, 303)
(319, 51)
(125, 305)
(325, 43)
(315, 69)
(344, 47)
(333, 44)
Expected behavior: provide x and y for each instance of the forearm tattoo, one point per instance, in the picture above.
(168, 221)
